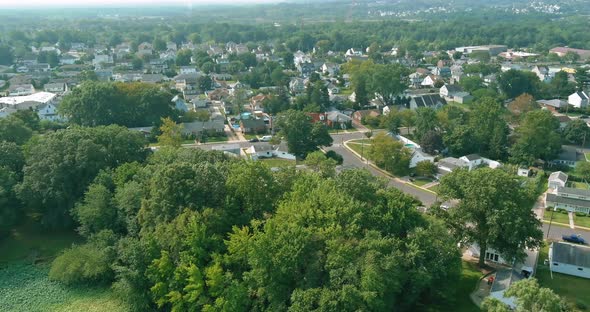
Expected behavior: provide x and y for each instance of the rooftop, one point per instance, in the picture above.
(567, 253)
(41, 97)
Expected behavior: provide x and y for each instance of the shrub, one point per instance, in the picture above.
(581, 305)
(337, 157)
(82, 264)
(581, 214)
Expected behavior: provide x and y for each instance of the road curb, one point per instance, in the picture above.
(566, 225)
(385, 172)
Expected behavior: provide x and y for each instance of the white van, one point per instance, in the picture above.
(266, 138)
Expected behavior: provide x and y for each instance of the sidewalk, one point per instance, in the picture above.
(570, 215)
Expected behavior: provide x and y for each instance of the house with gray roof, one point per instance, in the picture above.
(567, 157)
(571, 259)
(427, 100)
(557, 179)
(570, 199)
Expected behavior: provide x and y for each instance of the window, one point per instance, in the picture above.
(496, 258)
(580, 269)
(555, 264)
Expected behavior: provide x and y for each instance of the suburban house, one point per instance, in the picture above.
(144, 48)
(252, 125)
(567, 157)
(418, 155)
(198, 127)
(257, 101)
(179, 103)
(28, 101)
(48, 112)
(58, 87)
(188, 70)
(570, 199)
(427, 100)
(266, 150)
(552, 105)
(570, 259)
(469, 162)
(416, 80)
(297, 85)
(428, 81)
(542, 72)
(233, 149)
(557, 179)
(330, 69)
(454, 93)
(491, 254)
(21, 90)
(578, 99)
(360, 114)
(306, 68)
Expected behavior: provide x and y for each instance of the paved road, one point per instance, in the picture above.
(556, 232)
(351, 160)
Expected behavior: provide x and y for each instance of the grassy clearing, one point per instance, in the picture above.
(574, 289)
(463, 106)
(278, 162)
(27, 241)
(580, 185)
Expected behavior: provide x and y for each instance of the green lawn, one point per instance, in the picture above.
(470, 276)
(574, 289)
(249, 136)
(277, 162)
(217, 139)
(587, 155)
(563, 218)
(557, 217)
(466, 107)
(359, 148)
(579, 185)
(25, 286)
(421, 181)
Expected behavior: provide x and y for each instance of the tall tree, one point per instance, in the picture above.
(515, 82)
(537, 138)
(13, 129)
(389, 81)
(576, 132)
(171, 133)
(302, 136)
(494, 211)
(425, 121)
(390, 154)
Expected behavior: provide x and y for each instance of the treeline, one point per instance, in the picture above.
(537, 31)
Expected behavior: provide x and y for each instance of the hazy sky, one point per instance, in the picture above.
(78, 3)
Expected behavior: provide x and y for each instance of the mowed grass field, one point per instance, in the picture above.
(25, 259)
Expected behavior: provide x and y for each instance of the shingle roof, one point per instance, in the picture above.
(553, 198)
(428, 100)
(571, 254)
(573, 191)
(558, 175)
(471, 157)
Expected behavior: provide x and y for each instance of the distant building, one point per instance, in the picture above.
(491, 49)
(562, 51)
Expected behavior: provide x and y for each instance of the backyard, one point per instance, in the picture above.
(277, 162)
(574, 289)
(24, 285)
(470, 276)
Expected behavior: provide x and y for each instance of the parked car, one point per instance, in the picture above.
(253, 140)
(574, 238)
(266, 138)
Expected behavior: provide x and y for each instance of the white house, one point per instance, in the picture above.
(570, 259)
(578, 99)
(21, 90)
(188, 70)
(418, 155)
(48, 112)
(59, 87)
(523, 172)
(469, 162)
(570, 199)
(491, 254)
(428, 81)
(28, 101)
(557, 179)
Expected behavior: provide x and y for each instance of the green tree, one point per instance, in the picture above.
(159, 44)
(530, 297)
(318, 162)
(521, 105)
(489, 128)
(204, 83)
(10, 206)
(6, 55)
(13, 129)
(583, 170)
(494, 211)
(171, 133)
(389, 81)
(96, 211)
(571, 57)
(576, 132)
(425, 168)
(360, 91)
(183, 57)
(432, 142)
(425, 121)
(515, 82)
(390, 154)
(60, 166)
(537, 138)
(302, 136)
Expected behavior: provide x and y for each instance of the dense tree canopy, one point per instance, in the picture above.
(493, 212)
(129, 104)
